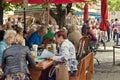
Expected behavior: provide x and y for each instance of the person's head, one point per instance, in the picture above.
(19, 19)
(112, 20)
(88, 28)
(87, 21)
(9, 36)
(60, 36)
(98, 19)
(19, 40)
(56, 27)
(116, 19)
(9, 19)
(42, 31)
(72, 28)
(19, 30)
(2, 33)
(35, 27)
(64, 29)
(9, 25)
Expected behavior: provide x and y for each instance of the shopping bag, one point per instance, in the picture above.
(62, 72)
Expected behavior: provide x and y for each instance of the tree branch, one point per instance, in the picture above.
(68, 7)
(53, 14)
(58, 7)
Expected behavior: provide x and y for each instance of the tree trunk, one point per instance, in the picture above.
(61, 21)
(61, 14)
(1, 12)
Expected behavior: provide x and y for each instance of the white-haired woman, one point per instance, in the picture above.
(6, 38)
(9, 36)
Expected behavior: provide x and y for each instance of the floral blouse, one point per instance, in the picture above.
(67, 55)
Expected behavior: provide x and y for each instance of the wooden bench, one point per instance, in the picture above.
(85, 69)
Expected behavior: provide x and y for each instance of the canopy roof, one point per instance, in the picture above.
(48, 1)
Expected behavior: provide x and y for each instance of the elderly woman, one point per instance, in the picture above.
(9, 36)
(66, 52)
(6, 38)
(15, 61)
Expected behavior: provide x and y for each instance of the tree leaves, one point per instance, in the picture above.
(114, 5)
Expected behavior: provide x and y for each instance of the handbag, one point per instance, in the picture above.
(62, 72)
(58, 72)
(52, 73)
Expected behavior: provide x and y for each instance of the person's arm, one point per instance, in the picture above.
(31, 40)
(29, 58)
(3, 61)
(64, 54)
(2, 48)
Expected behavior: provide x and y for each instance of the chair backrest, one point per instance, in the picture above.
(85, 69)
(84, 43)
(88, 65)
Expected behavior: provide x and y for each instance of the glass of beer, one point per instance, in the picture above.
(34, 54)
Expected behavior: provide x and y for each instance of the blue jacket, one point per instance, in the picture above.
(34, 39)
(3, 46)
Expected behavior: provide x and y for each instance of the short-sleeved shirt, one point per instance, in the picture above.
(49, 35)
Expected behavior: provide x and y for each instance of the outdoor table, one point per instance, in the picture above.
(41, 70)
(118, 47)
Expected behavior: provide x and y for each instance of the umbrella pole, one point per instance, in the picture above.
(48, 10)
(24, 16)
(104, 42)
(25, 4)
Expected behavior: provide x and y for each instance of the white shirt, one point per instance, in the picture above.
(67, 54)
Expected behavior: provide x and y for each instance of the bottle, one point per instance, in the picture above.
(54, 48)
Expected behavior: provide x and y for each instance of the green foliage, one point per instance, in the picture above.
(80, 5)
(114, 5)
(37, 6)
(11, 6)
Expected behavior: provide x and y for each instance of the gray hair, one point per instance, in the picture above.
(8, 32)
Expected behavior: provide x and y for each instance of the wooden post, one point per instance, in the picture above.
(24, 14)
(48, 11)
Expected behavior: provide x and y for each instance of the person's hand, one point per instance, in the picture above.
(51, 57)
(41, 46)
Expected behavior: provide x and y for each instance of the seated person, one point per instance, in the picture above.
(84, 27)
(15, 59)
(74, 36)
(37, 37)
(66, 52)
(6, 39)
(50, 34)
(92, 36)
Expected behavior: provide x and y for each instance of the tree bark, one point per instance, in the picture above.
(1, 12)
(61, 14)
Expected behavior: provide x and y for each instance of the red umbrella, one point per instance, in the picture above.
(15, 1)
(104, 25)
(85, 12)
(48, 1)
(56, 1)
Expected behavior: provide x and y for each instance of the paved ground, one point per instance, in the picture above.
(106, 70)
